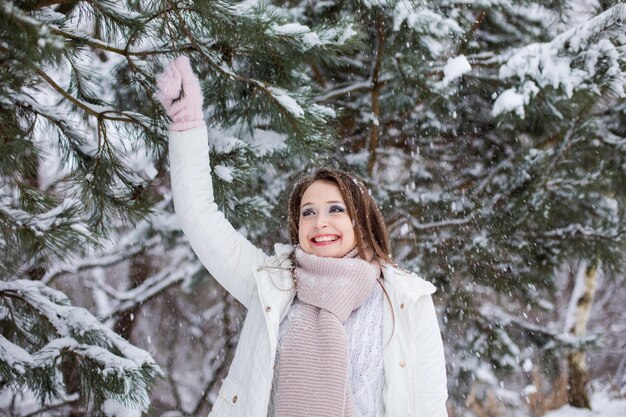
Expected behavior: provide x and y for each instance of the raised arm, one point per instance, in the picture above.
(227, 255)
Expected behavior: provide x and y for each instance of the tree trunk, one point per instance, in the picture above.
(580, 308)
(139, 271)
(577, 395)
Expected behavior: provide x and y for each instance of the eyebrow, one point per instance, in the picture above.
(328, 202)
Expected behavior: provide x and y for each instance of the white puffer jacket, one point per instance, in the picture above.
(414, 366)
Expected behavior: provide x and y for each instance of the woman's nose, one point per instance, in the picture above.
(321, 220)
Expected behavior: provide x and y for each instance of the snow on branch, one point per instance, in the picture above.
(17, 358)
(424, 20)
(583, 58)
(55, 228)
(176, 272)
(104, 260)
(307, 39)
(293, 106)
(125, 50)
(286, 101)
(495, 314)
(577, 231)
(119, 370)
(350, 88)
(99, 112)
(69, 321)
(137, 241)
(442, 223)
(65, 214)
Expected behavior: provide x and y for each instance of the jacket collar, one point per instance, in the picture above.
(407, 284)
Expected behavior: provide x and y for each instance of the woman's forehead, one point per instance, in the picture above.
(321, 191)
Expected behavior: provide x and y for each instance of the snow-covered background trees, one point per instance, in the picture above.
(491, 133)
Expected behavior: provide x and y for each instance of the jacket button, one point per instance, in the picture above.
(402, 364)
(268, 309)
(402, 305)
(235, 398)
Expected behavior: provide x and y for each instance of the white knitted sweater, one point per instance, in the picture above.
(364, 329)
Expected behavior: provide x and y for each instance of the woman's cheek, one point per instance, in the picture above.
(302, 234)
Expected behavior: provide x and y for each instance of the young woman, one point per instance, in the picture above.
(333, 328)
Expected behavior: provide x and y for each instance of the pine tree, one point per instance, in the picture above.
(83, 167)
(492, 138)
(574, 190)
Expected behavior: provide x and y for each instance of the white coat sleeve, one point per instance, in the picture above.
(226, 254)
(432, 381)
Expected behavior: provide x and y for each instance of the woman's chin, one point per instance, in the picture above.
(327, 252)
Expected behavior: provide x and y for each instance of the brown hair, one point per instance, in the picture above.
(369, 226)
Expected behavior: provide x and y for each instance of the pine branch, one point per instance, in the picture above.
(442, 223)
(117, 256)
(41, 411)
(564, 145)
(72, 335)
(539, 182)
(493, 171)
(576, 231)
(153, 287)
(468, 36)
(98, 44)
(273, 94)
(496, 315)
(47, 226)
(342, 91)
(100, 114)
(138, 291)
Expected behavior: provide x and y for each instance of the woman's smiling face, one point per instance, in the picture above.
(325, 227)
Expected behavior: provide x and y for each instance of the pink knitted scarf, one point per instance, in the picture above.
(313, 379)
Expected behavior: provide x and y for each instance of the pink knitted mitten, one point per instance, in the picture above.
(180, 94)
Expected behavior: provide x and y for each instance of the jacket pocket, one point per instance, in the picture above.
(228, 400)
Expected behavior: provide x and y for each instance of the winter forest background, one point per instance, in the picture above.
(491, 132)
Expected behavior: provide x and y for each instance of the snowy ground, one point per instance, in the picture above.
(602, 404)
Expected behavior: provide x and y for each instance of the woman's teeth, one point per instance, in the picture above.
(325, 239)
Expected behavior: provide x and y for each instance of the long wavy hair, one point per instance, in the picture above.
(369, 226)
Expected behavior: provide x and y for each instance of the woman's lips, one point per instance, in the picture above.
(325, 242)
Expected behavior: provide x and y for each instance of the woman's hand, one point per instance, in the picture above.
(180, 94)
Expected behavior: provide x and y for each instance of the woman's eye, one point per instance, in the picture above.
(307, 212)
(337, 209)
